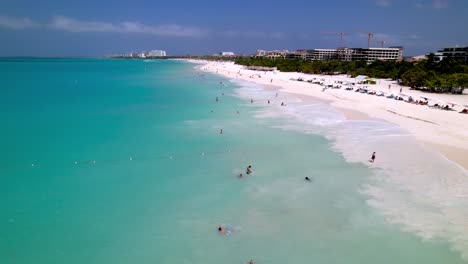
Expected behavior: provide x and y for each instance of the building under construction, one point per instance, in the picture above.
(370, 54)
(343, 54)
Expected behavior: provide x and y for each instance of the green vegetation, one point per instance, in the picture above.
(429, 75)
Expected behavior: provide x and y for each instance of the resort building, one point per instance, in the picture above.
(157, 53)
(343, 54)
(453, 52)
(372, 54)
(273, 54)
(226, 53)
(323, 54)
(142, 54)
(300, 54)
(132, 54)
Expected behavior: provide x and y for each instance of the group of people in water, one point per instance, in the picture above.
(248, 170)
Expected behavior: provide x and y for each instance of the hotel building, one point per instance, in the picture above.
(453, 52)
(157, 53)
(343, 54)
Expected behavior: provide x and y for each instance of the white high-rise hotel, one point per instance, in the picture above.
(157, 53)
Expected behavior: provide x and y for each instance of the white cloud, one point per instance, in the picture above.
(436, 4)
(16, 22)
(383, 3)
(169, 30)
(439, 4)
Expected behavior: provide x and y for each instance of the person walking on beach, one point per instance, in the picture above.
(268, 101)
(251, 101)
(401, 89)
(372, 158)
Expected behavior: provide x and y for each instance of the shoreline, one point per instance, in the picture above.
(444, 132)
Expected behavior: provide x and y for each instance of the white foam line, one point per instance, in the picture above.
(413, 187)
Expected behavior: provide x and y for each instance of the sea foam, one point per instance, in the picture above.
(411, 186)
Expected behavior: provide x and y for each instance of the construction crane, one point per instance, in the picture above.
(369, 37)
(382, 42)
(341, 34)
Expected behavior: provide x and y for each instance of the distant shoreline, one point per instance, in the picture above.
(446, 132)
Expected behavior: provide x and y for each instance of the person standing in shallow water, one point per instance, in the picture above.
(372, 158)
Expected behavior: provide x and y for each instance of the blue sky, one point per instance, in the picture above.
(96, 28)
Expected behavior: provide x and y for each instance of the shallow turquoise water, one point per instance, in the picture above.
(121, 161)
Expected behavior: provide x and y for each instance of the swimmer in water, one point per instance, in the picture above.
(221, 131)
(240, 175)
(217, 99)
(248, 169)
(251, 261)
(307, 178)
(251, 101)
(372, 158)
(221, 229)
(268, 101)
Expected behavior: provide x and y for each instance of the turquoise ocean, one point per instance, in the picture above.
(122, 161)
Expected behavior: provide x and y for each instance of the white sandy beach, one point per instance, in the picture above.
(443, 131)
